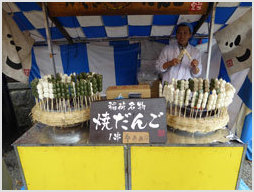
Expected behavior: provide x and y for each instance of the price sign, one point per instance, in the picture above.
(128, 121)
(135, 137)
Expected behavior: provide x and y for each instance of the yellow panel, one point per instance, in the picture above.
(72, 167)
(185, 168)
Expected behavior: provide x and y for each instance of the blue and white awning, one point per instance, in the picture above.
(29, 17)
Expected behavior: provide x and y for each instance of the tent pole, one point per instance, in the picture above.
(210, 40)
(51, 55)
(85, 40)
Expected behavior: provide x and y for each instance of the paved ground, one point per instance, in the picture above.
(12, 165)
(246, 174)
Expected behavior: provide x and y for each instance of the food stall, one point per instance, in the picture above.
(130, 143)
(68, 147)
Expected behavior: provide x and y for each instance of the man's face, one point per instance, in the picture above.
(183, 35)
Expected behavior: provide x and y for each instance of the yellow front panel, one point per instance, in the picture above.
(185, 168)
(72, 167)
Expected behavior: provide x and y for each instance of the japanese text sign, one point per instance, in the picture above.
(60, 9)
(128, 121)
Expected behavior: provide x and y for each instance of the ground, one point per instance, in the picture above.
(246, 174)
(12, 164)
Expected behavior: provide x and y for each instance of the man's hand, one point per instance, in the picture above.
(171, 63)
(194, 65)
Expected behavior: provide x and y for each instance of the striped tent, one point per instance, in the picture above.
(29, 17)
(119, 61)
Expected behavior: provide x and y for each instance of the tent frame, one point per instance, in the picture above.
(46, 22)
(210, 11)
(210, 41)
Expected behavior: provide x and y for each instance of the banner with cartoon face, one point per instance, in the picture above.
(235, 43)
(16, 50)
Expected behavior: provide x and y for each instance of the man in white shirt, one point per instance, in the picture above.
(172, 67)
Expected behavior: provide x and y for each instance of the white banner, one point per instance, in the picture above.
(16, 50)
(235, 43)
(101, 60)
(43, 61)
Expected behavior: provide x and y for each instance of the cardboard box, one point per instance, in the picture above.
(113, 92)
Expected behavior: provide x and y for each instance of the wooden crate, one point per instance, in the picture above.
(113, 92)
(154, 88)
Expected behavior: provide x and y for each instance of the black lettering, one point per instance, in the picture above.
(71, 3)
(178, 4)
(158, 5)
(162, 4)
(85, 5)
(95, 5)
(127, 137)
(166, 4)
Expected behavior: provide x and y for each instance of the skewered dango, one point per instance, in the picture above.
(199, 95)
(64, 93)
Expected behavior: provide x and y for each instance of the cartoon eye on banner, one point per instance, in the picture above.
(235, 44)
(16, 50)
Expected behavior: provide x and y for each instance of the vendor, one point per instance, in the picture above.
(180, 60)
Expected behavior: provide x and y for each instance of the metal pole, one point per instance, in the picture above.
(85, 40)
(210, 40)
(51, 56)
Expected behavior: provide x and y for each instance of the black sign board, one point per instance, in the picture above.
(128, 121)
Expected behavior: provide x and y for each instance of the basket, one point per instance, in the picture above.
(60, 119)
